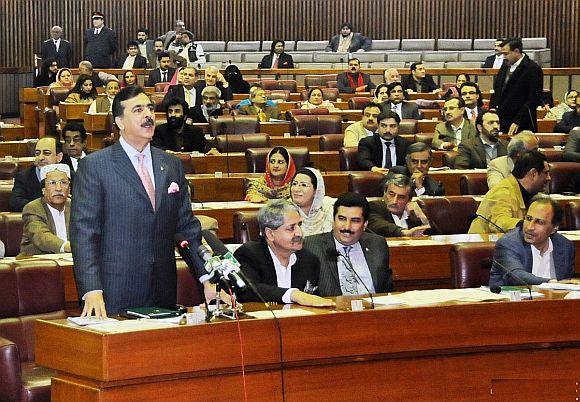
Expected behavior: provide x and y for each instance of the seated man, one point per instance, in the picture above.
(419, 80)
(277, 264)
(419, 158)
(505, 204)
(259, 106)
(392, 75)
(213, 77)
(496, 60)
(570, 120)
(74, 136)
(471, 95)
(247, 101)
(395, 215)
(132, 59)
(502, 166)
(46, 219)
(353, 80)
(186, 90)
(477, 152)
(366, 127)
(534, 252)
(385, 148)
(176, 135)
(277, 58)
(163, 73)
(27, 186)
(360, 258)
(399, 105)
(572, 150)
(456, 128)
(210, 106)
(348, 41)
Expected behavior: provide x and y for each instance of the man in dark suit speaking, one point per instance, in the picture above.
(130, 200)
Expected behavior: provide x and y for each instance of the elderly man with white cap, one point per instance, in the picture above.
(46, 219)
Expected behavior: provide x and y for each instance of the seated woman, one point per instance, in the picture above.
(236, 80)
(453, 92)
(175, 80)
(568, 105)
(104, 104)
(84, 91)
(129, 79)
(381, 94)
(47, 73)
(63, 79)
(275, 183)
(315, 100)
(307, 193)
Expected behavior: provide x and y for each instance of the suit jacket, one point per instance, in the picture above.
(196, 114)
(358, 42)
(99, 48)
(408, 110)
(155, 76)
(444, 133)
(26, 188)
(271, 112)
(432, 187)
(63, 56)
(178, 91)
(258, 266)
(489, 60)
(370, 151)
(284, 61)
(515, 255)
(428, 83)
(140, 61)
(472, 154)
(343, 83)
(381, 220)
(193, 139)
(503, 205)
(516, 102)
(226, 92)
(568, 122)
(354, 133)
(39, 230)
(376, 254)
(151, 56)
(572, 150)
(122, 245)
(498, 169)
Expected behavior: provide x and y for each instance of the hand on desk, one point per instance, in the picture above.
(94, 302)
(306, 299)
(379, 170)
(417, 231)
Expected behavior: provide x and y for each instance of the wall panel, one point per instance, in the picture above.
(25, 23)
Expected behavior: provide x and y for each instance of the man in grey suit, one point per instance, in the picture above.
(352, 261)
(100, 42)
(455, 129)
(146, 47)
(399, 105)
(130, 200)
(534, 252)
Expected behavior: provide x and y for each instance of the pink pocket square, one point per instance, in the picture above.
(173, 188)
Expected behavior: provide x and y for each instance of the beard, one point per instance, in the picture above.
(175, 122)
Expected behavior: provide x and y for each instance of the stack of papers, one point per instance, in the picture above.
(84, 321)
(294, 312)
(417, 298)
(559, 286)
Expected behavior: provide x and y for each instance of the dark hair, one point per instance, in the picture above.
(308, 173)
(467, 78)
(479, 118)
(460, 100)
(379, 87)
(527, 161)
(352, 200)
(177, 101)
(389, 114)
(556, 208)
(398, 180)
(188, 33)
(514, 43)
(125, 77)
(162, 54)
(43, 75)
(144, 30)
(414, 65)
(78, 88)
(282, 151)
(346, 24)
(392, 86)
(419, 147)
(274, 43)
(354, 58)
(124, 94)
(473, 84)
(373, 104)
(158, 40)
(132, 43)
(312, 89)
(73, 126)
(57, 143)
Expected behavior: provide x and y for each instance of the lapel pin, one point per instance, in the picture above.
(161, 168)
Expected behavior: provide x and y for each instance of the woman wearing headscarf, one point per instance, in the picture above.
(568, 105)
(275, 183)
(64, 79)
(47, 73)
(235, 78)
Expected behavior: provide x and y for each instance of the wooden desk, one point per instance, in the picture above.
(459, 352)
(13, 148)
(72, 111)
(28, 100)
(14, 133)
(426, 126)
(96, 122)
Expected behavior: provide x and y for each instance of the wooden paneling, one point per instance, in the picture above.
(24, 24)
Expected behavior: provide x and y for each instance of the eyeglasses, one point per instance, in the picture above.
(53, 183)
(301, 184)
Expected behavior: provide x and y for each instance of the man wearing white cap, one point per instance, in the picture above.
(46, 219)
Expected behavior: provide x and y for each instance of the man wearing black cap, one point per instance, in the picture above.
(100, 42)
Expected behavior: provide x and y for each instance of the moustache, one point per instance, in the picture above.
(297, 239)
(346, 231)
(148, 121)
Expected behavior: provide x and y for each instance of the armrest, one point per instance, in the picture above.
(10, 371)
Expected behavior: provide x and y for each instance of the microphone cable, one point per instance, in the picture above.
(235, 308)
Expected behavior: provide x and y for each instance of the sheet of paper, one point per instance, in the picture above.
(436, 296)
(559, 286)
(389, 300)
(133, 326)
(294, 312)
(414, 242)
(90, 321)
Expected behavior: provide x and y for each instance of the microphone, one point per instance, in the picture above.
(494, 289)
(227, 267)
(476, 215)
(333, 253)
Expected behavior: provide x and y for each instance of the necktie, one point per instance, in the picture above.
(164, 76)
(262, 116)
(472, 117)
(275, 65)
(350, 285)
(387, 159)
(187, 96)
(146, 178)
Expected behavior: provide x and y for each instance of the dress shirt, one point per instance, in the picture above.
(143, 49)
(359, 264)
(129, 62)
(543, 264)
(59, 224)
(498, 62)
(471, 112)
(392, 150)
(98, 30)
(56, 43)
(190, 96)
(402, 221)
(284, 275)
(398, 108)
(132, 154)
(457, 131)
(490, 149)
(75, 161)
(164, 76)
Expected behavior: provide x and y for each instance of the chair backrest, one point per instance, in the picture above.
(57, 95)
(471, 264)
(318, 80)
(448, 158)
(7, 170)
(278, 94)
(330, 142)
(426, 138)
(246, 226)
(358, 102)
(329, 94)
(408, 126)
(5, 194)
(256, 158)
(160, 86)
(550, 140)
(348, 158)
(449, 215)
(562, 174)
(234, 125)
(473, 184)
(288, 85)
(11, 232)
(301, 112)
(188, 293)
(317, 124)
(51, 119)
(367, 184)
(572, 215)
(157, 99)
(241, 142)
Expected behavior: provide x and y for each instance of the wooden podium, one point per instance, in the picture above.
(463, 352)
